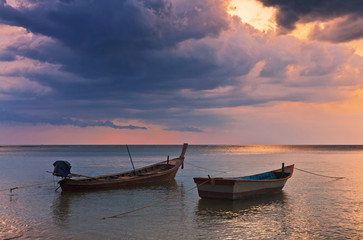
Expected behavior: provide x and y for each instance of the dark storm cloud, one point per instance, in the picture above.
(10, 117)
(115, 53)
(124, 45)
(290, 12)
(118, 38)
(186, 129)
(68, 121)
(124, 55)
(7, 57)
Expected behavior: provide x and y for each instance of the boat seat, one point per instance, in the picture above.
(280, 175)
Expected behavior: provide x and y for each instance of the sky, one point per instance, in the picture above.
(175, 71)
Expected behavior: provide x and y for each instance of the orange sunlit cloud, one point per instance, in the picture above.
(357, 45)
(254, 13)
(262, 18)
(304, 30)
(295, 123)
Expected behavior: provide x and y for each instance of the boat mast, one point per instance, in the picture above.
(127, 147)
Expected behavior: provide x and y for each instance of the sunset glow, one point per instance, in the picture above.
(254, 13)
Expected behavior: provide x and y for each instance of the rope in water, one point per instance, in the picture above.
(155, 203)
(294, 168)
(207, 168)
(26, 186)
(317, 174)
(39, 184)
(180, 194)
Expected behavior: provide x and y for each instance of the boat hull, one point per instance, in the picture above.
(238, 190)
(73, 185)
(152, 174)
(232, 189)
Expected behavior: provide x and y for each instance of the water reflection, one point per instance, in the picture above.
(264, 217)
(96, 202)
(215, 207)
(61, 207)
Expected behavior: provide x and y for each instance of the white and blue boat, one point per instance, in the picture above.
(241, 187)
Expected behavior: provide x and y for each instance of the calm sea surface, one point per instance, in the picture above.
(309, 207)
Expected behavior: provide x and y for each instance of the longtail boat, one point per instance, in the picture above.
(155, 173)
(241, 187)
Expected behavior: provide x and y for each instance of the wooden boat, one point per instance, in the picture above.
(159, 172)
(242, 187)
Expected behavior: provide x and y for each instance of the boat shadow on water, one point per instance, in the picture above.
(68, 204)
(231, 208)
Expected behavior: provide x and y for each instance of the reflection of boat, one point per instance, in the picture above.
(61, 208)
(215, 207)
(241, 187)
(159, 172)
(70, 206)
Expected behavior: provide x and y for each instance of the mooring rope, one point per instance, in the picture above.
(207, 168)
(294, 168)
(26, 186)
(155, 203)
(180, 194)
(317, 174)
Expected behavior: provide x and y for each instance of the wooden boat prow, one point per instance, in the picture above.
(155, 173)
(242, 187)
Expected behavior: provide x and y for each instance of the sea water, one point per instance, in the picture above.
(309, 207)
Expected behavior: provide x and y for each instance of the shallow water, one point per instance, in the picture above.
(309, 207)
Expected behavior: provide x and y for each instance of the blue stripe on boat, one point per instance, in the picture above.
(262, 176)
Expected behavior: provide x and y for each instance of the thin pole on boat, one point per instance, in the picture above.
(127, 147)
(283, 168)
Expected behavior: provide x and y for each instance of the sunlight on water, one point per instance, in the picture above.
(9, 230)
(243, 150)
(11, 227)
(265, 149)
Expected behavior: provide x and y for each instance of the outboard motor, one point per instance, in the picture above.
(62, 168)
